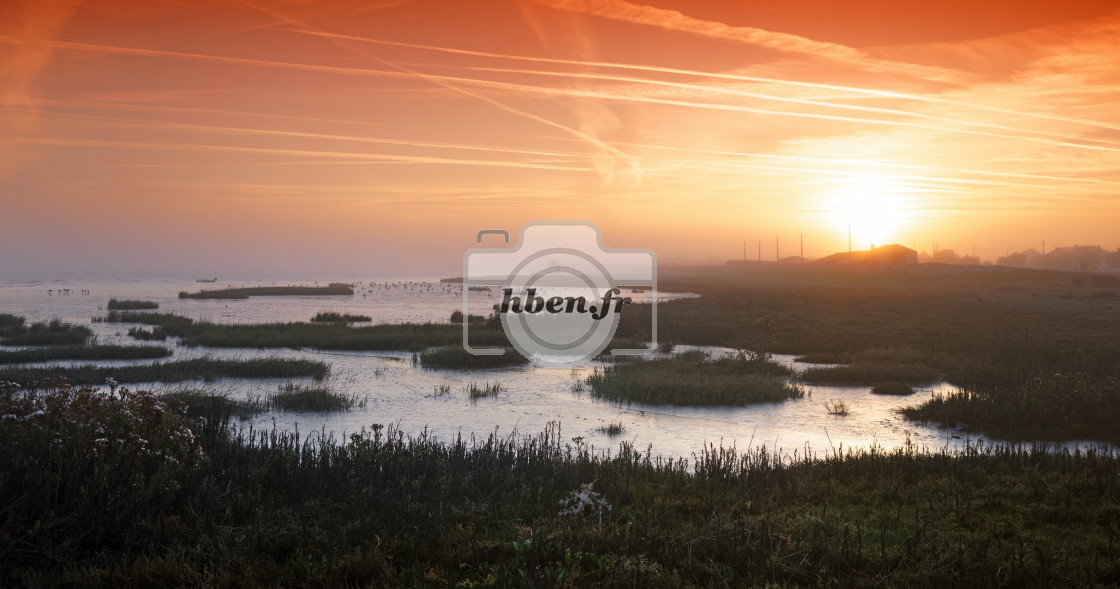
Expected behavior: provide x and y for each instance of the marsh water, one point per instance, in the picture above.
(393, 390)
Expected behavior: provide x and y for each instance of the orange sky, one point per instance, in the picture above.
(369, 137)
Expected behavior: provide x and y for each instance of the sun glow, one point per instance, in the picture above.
(873, 207)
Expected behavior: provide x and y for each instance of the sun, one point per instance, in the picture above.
(874, 207)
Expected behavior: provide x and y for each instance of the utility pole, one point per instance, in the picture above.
(1044, 247)
(802, 248)
(974, 250)
(760, 250)
(744, 250)
(777, 251)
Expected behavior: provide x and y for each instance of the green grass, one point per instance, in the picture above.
(123, 491)
(176, 371)
(14, 332)
(332, 317)
(127, 305)
(690, 379)
(458, 357)
(1064, 405)
(94, 352)
(334, 288)
(316, 399)
(892, 388)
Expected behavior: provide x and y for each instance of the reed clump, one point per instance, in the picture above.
(693, 379)
(486, 389)
(313, 398)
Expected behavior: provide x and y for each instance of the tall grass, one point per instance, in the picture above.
(691, 379)
(112, 490)
(94, 352)
(176, 371)
(128, 305)
(335, 288)
(1058, 406)
(459, 357)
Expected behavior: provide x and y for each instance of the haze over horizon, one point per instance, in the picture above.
(349, 138)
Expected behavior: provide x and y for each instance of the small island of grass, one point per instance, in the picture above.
(334, 288)
(333, 317)
(127, 305)
(692, 379)
(458, 357)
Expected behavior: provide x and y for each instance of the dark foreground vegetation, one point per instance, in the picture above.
(693, 379)
(128, 305)
(93, 352)
(136, 494)
(335, 288)
(994, 334)
(15, 332)
(195, 369)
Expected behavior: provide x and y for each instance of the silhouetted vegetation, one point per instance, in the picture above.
(15, 332)
(612, 429)
(332, 317)
(335, 288)
(94, 352)
(176, 371)
(127, 305)
(123, 490)
(459, 357)
(691, 379)
(210, 406)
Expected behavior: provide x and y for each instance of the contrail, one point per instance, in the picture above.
(444, 82)
(386, 158)
(714, 75)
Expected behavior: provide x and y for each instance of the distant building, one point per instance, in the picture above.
(885, 255)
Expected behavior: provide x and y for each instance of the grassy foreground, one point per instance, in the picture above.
(15, 332)
(136, 494)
